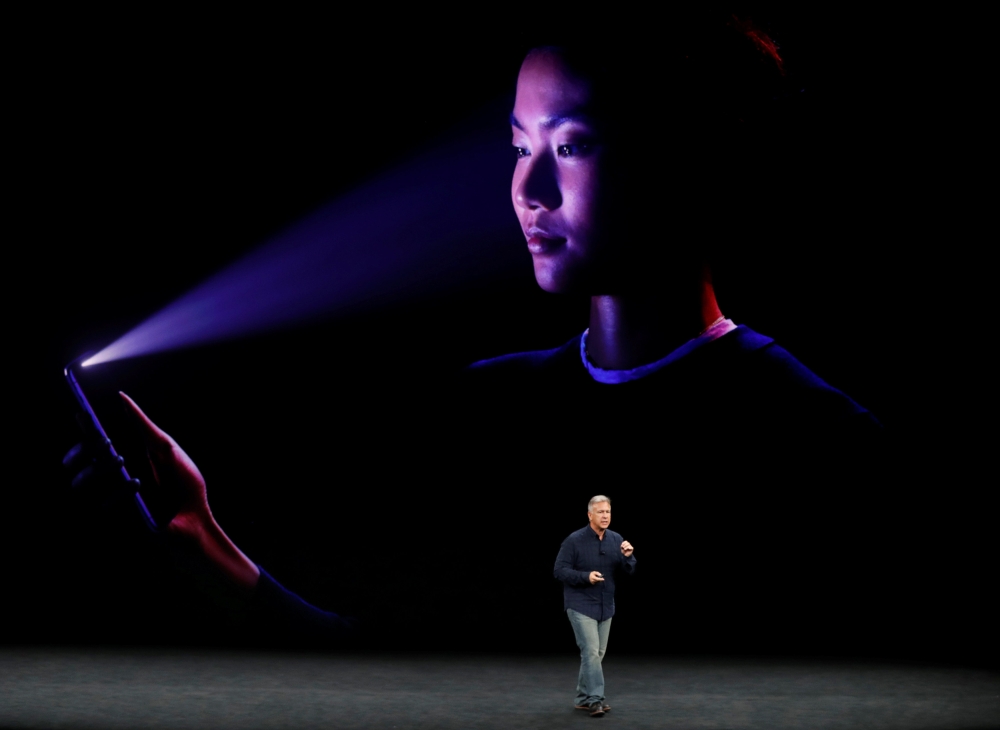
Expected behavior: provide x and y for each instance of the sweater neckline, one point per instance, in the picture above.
(614, 377)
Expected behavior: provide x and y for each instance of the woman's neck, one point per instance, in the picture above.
(628, 330)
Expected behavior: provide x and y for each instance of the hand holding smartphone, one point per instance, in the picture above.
(181, 508)
(96, 440)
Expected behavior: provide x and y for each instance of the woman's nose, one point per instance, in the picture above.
(539, 185)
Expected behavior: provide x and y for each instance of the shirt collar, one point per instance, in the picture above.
(592, 532)
(714, 332)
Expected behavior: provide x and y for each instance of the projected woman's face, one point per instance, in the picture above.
(557, 178)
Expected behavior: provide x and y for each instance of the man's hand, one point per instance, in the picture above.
(596, 577)
(626, 548)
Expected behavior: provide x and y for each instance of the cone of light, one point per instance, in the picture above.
(442, 219)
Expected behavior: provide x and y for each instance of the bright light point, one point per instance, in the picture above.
(86, 362)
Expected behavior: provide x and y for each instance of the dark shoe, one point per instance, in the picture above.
(596, 709)
(587, 707)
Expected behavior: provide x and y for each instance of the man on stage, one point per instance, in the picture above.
(586, 565)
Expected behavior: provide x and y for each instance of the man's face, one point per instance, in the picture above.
(556, 188)
(600, 516)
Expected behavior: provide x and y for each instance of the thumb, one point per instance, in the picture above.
(160, 447)
(168, 460)
(153, 434)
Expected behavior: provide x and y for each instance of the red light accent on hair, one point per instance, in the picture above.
(763, 42)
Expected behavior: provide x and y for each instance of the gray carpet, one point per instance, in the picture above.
(175, 689)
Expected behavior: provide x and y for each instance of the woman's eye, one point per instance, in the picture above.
(573, 150)
(520, 152)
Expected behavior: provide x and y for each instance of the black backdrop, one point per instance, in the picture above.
(154, 150)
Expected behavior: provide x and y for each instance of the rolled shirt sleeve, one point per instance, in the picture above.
(286, 615)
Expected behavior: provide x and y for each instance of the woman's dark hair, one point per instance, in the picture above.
(713, 69)
(686, 106)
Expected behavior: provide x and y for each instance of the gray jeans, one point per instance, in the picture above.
(592, 638)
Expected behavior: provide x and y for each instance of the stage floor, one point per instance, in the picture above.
(109, 689)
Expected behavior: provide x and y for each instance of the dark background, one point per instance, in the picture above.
(153, 150)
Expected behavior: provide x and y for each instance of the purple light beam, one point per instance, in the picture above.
(443, 219)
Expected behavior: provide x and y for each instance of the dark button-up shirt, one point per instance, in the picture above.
(582, 552)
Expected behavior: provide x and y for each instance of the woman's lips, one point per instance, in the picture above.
(542, 241)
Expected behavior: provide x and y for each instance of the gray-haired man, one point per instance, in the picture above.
(586, 565)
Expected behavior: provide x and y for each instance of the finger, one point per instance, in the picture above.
(83, 455)
(85, 475)
(76, 457)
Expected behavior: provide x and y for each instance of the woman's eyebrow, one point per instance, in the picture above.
(556, 120)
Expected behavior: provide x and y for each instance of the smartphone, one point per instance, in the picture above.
(94, 433)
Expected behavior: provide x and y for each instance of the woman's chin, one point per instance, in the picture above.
(563, 284)
(553, 279)
(556, 277)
